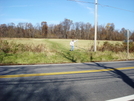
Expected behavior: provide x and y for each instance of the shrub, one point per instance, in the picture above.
(4, 46)
(11, 47)
(116, 47)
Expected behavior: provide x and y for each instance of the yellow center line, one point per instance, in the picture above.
(61, 73)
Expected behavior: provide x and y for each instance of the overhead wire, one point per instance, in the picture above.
(102, 5)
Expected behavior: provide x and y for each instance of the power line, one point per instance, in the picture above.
(116, 8)
(102, 5)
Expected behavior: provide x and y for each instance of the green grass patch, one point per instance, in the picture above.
(39, 51)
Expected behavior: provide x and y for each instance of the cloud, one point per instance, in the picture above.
(91, 10)
(18, 20)
(2, 15)
(19, 6)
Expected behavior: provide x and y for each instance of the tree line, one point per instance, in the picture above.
(65, 29)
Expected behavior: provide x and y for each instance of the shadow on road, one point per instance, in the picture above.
(34, 88)
(119, 74)
(46, 89)
(20, 89)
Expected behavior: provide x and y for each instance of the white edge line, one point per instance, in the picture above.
(62, 64)
(126, 98)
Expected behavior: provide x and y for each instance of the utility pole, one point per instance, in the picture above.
(95, 22)
(127, 44)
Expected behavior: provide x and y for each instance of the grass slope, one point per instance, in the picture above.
(38, 51)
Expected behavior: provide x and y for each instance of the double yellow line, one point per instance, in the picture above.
(62, 73)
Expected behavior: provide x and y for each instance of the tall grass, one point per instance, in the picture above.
(12, 47)
(116, 47)
(18, 53)
(37, 51)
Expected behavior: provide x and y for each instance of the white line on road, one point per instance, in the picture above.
(126, 98)
(62, 64)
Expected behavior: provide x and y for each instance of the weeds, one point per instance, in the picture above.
(11, 47)
(116, 47)
(12, 52)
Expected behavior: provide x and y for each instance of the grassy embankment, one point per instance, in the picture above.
(37, 51)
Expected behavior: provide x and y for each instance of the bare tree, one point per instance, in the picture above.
(44, 29)
(109, 30)
(29, 30)
(77, 28)
(20, 30)
(87, 30)
(3, 30)
(66, 27)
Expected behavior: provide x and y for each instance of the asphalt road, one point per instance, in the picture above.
(72, 85)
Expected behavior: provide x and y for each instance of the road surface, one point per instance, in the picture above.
(97, 81)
